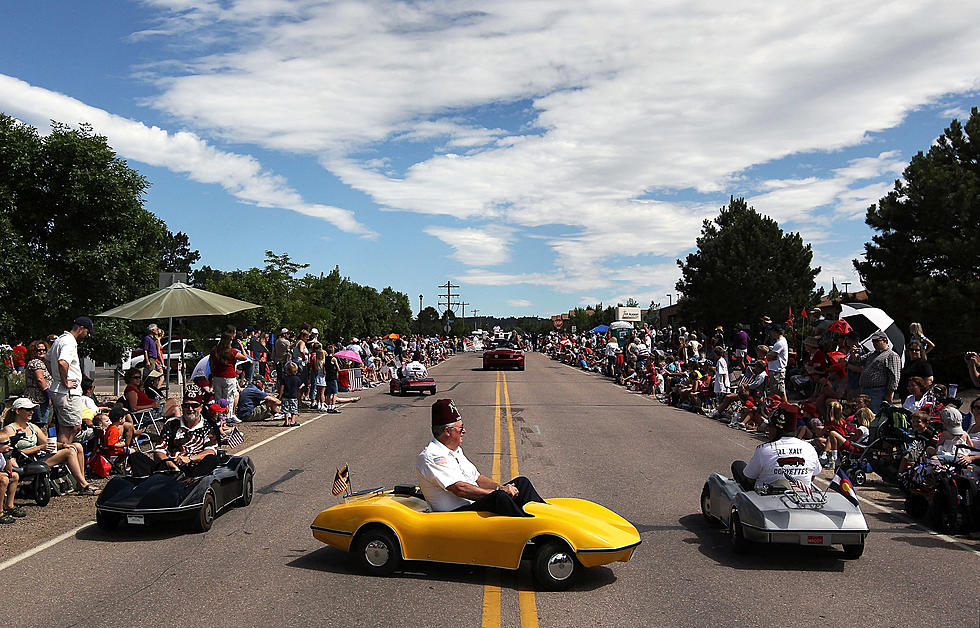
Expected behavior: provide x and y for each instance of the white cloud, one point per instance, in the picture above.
(484, 246)
(519, 303)
(181, 152)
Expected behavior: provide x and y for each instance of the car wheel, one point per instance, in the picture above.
(376, 551)
(852, 552)
(554, 567)
(107, 520)
(706, 503)
(42, 490)
(520, 368)
(943, 510)
(248, 489)
(205, 516)
(432, 391)
(736, 535)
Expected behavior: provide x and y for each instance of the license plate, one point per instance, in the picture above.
(136, 520)
(814, 540)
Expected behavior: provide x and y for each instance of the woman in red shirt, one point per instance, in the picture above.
(136, 398)
(224, 377)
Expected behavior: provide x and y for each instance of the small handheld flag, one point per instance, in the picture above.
(842, 484)
(340, 481)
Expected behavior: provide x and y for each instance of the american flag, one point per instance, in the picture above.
(340, 481)
(807, 489)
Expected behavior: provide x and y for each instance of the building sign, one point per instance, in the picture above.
(628, 314)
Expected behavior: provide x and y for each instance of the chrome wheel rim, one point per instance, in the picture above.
(560, 566)
(376, 553)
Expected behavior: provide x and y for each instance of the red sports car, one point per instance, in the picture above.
(503, 354)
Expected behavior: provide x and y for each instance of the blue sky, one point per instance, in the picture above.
(542, 154)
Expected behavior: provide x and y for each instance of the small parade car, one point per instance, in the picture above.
(169, 495)
(402, 385)
(782, 512)
(380, 528)
(503, 355)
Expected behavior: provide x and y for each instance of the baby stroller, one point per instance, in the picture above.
(943, 490)
(888, 442)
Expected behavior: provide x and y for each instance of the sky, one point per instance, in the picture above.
(542, 155)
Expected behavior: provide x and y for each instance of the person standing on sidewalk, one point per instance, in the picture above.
(152, 353)
(280, 353)
(778, 359)
(882, 370)
(66, 371)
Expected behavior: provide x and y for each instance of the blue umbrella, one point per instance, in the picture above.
(601, 329)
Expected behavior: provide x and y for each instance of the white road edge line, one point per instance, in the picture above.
(61, 537)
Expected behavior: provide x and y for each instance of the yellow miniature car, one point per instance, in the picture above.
(380, 528)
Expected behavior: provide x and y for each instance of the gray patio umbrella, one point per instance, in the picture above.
(177, 301)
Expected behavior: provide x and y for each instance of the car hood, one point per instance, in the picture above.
(584, 524)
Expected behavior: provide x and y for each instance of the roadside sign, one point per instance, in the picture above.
(449, 327)
(574, 329)
(558, 323)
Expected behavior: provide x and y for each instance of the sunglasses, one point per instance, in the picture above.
(4, 443)
(191, 406)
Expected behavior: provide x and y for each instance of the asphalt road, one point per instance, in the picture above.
(576, 435)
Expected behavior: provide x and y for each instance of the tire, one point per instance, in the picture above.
(376, 552)
(706, 504)
(248, 489)
(916, 506)
(207, 513)
(853, 552)
(860, 477)
(432, 391)
(736, 536)
(554, 567)
(520, 368)
(943, 512)
(107, 521)
(42, 490)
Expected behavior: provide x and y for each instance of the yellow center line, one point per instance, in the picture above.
(491, 588)
(525, 594)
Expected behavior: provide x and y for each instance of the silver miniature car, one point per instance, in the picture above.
(782, 512)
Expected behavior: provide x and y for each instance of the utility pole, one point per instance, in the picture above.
(475, 312)
(462, 305)
(420, 304)
(446, 298)
(845, 284)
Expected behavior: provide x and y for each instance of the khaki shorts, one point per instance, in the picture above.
(260, 413)
(67, 409)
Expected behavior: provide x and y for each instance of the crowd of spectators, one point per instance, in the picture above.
(738, 375)
(248, 375)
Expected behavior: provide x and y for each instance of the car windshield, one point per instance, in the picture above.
(503, 345)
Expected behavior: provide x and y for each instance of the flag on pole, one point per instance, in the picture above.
(803, 314)
(842, 484)
(340, 481)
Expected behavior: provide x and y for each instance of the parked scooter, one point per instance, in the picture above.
(38, 479)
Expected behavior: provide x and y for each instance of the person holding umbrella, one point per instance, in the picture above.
(881, 372)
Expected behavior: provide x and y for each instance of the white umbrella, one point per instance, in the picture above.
(865, 320)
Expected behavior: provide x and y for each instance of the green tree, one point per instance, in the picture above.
(745, 267)
(76, 235)
(921, 264)
(428, 322)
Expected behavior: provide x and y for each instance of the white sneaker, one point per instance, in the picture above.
(234, 419)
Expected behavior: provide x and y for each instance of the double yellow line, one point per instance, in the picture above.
(491, 589)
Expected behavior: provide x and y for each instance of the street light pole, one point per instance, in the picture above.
(670, 299)
(846, 284)
(420, 304)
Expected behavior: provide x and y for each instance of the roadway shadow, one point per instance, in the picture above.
(712, 540)
(125, 533)
(331, 560)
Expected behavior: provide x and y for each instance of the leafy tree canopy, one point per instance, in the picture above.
(921, 264)
(745, 267)
(76, 235)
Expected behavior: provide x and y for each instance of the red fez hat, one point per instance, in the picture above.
(444, 412)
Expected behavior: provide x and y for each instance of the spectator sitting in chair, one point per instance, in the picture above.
(8, 483)
(254, 404)
(136, 398)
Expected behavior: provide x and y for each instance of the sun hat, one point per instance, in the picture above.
(952, 421)
(25, 403)
(154, 373)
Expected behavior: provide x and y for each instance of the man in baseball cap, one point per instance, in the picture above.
(451, 482)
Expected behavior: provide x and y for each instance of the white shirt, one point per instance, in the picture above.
(789, 454)
(438, 467)
(781, 349)
(612, 349)
(65, 348)
(415, 369)
(721, 375)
